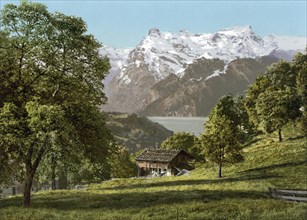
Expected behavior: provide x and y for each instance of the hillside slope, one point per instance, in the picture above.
(136, 132)
(241, 194)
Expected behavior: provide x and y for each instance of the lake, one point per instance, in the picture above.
(182, 124)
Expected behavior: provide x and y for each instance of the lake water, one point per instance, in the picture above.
(182, 124)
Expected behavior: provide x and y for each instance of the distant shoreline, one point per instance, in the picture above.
(181, 124)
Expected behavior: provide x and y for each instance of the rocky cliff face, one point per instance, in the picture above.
(198, 92)
(184, 74)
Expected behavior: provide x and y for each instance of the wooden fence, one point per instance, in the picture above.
(289, 194)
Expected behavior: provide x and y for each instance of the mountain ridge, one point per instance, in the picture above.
(277, 42)
(161, 54)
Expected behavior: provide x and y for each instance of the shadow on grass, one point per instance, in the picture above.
(272, 167)
(253, 141)
(92, 199)
(296, 138)
(86, 200)
(193, 182)
(260, 173)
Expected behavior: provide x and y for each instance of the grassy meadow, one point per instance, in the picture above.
(241, 194)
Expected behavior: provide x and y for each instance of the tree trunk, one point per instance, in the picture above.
(27, 190)
(53, 166)
(30, 171)
(63, 180)
(220, 169)
(279, 135)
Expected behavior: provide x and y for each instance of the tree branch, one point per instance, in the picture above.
(40, 155)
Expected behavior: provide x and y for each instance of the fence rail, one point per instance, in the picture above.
(289, 194)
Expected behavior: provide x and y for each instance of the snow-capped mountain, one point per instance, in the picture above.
(118, 58)
(288, 43)
(160, 54)
(165, 53)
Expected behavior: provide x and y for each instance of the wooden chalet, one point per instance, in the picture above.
(162, 162)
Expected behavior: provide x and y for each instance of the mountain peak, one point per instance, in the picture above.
(247, 29)
(184, 32)
(154, 32)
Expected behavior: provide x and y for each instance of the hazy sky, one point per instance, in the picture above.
(126, 23)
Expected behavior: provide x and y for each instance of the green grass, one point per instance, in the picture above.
(241, 194)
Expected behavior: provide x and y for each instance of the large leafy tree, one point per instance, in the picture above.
(274, 111)
(221, 139)
(234, 109)
(300, 66)
(51, 88)
(183, 141)
(251, 95)
(272, 101)
(302, 84)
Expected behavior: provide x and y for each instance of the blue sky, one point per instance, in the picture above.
(125, 23)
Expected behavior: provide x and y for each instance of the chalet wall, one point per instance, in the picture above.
(152, 164)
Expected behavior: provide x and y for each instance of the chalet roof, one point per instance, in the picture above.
(159, 155)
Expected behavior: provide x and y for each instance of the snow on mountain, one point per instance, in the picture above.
(288, 42)
(163, 53)
(118, 58)
(218, 72)
(166, 52)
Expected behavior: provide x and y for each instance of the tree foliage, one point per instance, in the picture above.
(251, 95)
(277, 95)
(184, 141)
(246, 128)
(300, 65)
(234, 109)
(51, 87)
(221, 138)
(122, 164)
(274, 111)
